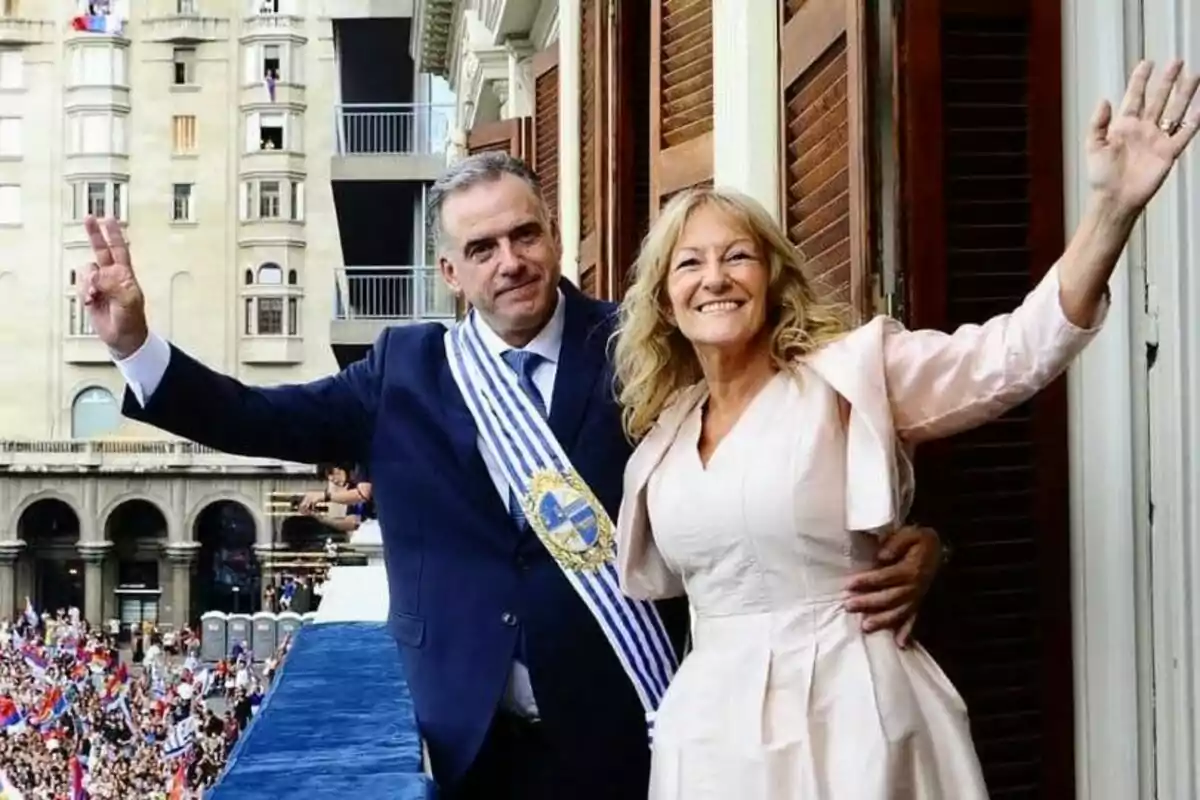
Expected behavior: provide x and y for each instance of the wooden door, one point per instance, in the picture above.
(983, 199)
(681, 97)
(826, 191)
(512, 136)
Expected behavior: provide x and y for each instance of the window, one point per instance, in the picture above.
(96, 134)
(12, 68)
(185, 7)
(10, 204)
(184, 64)
(94, 413)
(296, 201)
(182, 203)
(271, 131)
(270, 200)
(271, 60)
(270, 275)
(10, 136)
(274, 313)
(80, 323)
(265, 6)
(98, 65)
(183, 134)
(97, 198)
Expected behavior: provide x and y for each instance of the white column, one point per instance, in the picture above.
(1109, 524)
(746, 99)
(1170, 30)
(570, 60)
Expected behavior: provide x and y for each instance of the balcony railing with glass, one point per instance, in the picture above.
(393, 294)
(402, 129)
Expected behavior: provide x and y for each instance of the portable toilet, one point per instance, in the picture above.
(213, 636)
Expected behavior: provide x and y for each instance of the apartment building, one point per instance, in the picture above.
(267, 159)
(926, 157)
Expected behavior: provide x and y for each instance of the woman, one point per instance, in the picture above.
(772, 460)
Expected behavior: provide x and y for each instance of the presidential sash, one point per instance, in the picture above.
(562, 510)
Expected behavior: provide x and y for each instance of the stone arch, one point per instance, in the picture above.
(228, 574)
(189, 523)
(95, 412)
(37, 497)
(126, 497)
(137, 528)
(50, 571)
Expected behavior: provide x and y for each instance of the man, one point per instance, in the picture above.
(528, 676)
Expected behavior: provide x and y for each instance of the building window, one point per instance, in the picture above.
(271, 60)
(80, 323)
(183, 134)
(272, 313)
(270, 200)
(12, 68)
(10, 204)
(263, 7)
(98, 198)
(270, 275)
(94, 413)
(98, 65)
(182, 205)
(270, 131)
(296, 201)
(184, 64)
(96, 134)
(10, 136)
(185, 7)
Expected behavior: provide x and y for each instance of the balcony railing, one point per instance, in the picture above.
(128, 455)
(401, 129)
(393, 294)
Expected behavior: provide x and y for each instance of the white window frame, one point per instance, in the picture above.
(12, 68)
(11, 145)
(187, 57)
(10, 204)
(188, 200)
(116, 198)
(80, 125)
(296, 200)
(110, 67)
(293, 123)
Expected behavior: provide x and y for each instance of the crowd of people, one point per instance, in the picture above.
(80, 719)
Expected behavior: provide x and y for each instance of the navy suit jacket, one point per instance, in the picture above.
(464, 581)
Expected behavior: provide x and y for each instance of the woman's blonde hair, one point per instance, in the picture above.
(652, 358)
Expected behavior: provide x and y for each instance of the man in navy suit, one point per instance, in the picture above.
(520, 691)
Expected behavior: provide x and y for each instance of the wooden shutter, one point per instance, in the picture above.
(983, 200)
(630, 141)
(545, 124)
(592, 133)
(823, 80)
(512, 136)
(681, 97)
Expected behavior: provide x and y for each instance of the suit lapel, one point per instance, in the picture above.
(581, 363)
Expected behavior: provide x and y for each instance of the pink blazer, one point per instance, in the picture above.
(901, 388)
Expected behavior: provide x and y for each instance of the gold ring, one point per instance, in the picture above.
(1169, 126)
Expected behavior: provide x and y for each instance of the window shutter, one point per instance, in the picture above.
(823, 79)
(253, 136)
(510, 136)
(593, 39)
(545, 125)
(298, 211)
(252, 65)
(681, 97)
(983, 200)
(629, 181)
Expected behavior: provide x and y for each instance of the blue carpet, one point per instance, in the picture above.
(337, 724)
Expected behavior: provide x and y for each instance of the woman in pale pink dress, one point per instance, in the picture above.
(773, 458)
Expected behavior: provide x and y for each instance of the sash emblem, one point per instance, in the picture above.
(561, 509)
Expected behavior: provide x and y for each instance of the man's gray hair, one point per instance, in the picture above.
(472, 171)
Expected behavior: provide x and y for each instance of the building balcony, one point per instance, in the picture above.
(272, 161)
(390, 141)
(85, 348)
(271, 25)
(23, 30)
(131, 455)
(369, 299)
(186, 29)
(271, 350)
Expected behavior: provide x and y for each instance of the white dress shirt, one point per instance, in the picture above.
(143, 372)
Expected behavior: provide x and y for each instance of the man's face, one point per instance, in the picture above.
(501, 253)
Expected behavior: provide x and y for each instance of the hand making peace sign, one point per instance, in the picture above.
(110, 291)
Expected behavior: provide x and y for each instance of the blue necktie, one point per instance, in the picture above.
(523, 362)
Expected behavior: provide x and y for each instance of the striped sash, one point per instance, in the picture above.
(562, 510)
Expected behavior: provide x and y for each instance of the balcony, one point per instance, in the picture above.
(20, 30)
(186, 28)
(369, 299)
(132, 455)
(271, 24)
(390, 141)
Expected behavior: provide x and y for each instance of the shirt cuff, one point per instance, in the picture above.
(143, 371)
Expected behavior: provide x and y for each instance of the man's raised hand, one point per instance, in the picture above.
(109, 290)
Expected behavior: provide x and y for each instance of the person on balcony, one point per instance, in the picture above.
(532, 676)
(772, 454)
